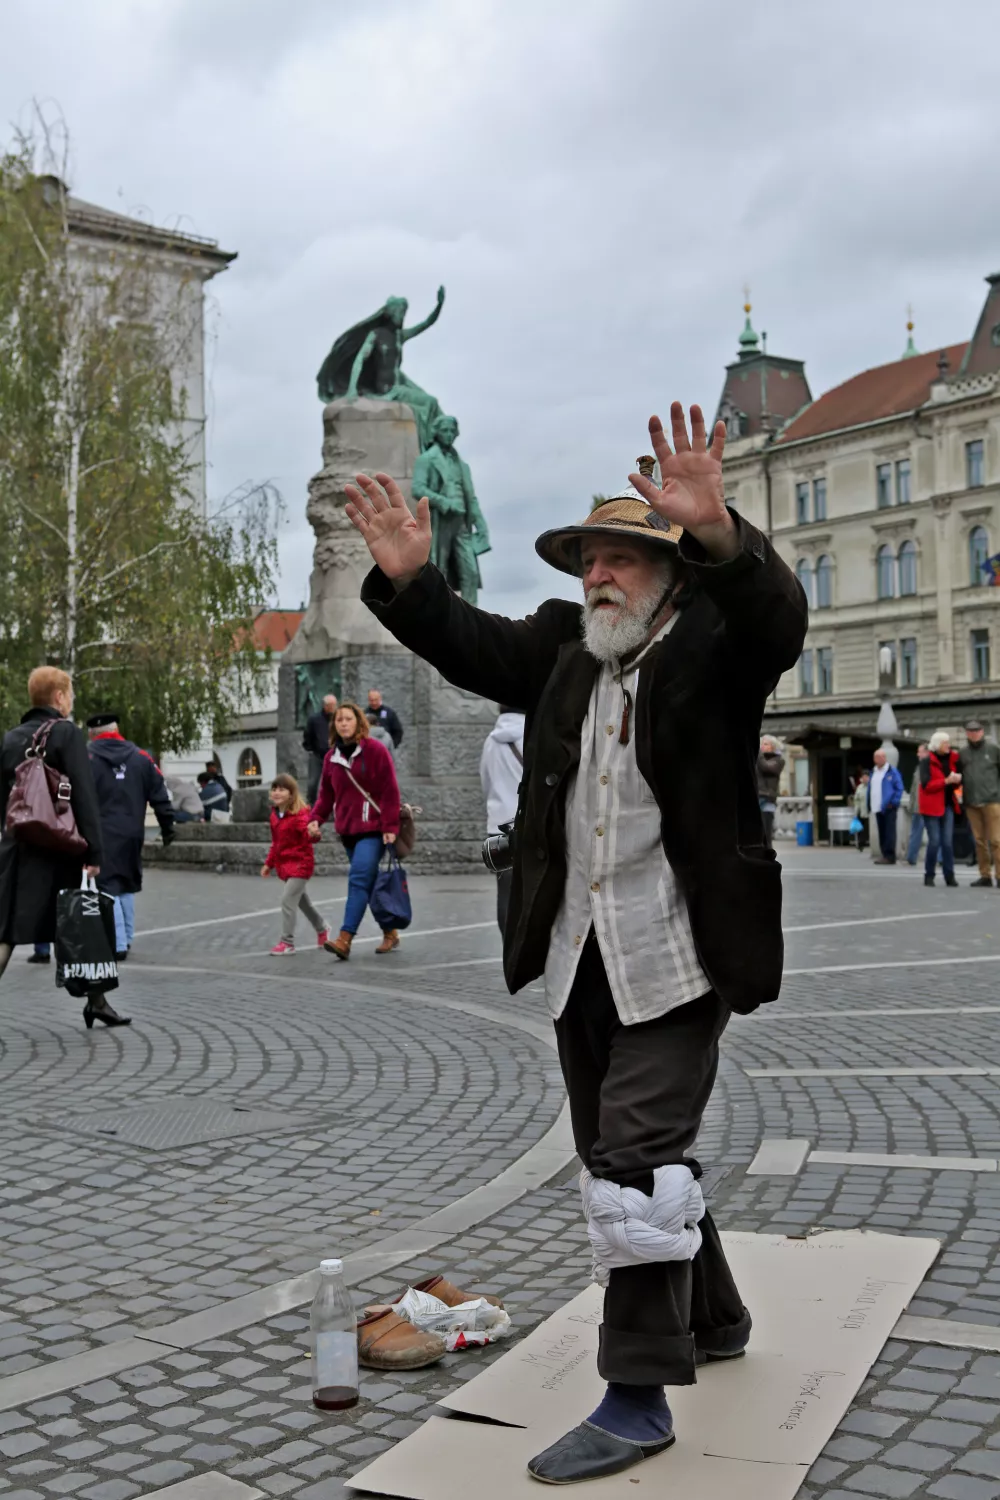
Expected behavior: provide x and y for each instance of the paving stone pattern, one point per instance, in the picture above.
(397, 1106)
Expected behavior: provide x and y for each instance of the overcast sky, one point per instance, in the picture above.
(593, 181)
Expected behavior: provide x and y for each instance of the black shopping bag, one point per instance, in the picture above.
(390, 899)
(85, 940)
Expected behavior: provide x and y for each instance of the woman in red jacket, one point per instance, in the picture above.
(359, 781)
(940, 780)
(291, 854)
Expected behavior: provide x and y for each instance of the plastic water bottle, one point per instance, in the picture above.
(334, 1328)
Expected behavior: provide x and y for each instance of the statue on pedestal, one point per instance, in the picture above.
(367, 361)
(460, 533)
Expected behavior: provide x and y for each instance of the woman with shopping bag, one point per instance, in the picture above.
(46, 849)
(359, 786)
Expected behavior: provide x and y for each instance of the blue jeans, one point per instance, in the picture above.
(365, 858)
(940, 837)
(916, 838)
(124, 921)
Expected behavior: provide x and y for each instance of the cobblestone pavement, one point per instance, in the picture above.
(261, 1113)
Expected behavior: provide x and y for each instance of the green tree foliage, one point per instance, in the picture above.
(106, 567)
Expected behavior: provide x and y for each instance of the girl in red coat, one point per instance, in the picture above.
(291, 854)
(940, 804)
(359, 781)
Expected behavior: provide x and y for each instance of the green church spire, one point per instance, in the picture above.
(911, 348)
(749, 342)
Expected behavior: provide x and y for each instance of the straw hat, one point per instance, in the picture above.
(624, 514)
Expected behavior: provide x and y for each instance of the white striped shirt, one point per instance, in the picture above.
(617, 876)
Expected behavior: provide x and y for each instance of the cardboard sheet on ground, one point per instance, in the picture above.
(822, 1309)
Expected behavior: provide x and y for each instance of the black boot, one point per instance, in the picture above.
(98, 1009)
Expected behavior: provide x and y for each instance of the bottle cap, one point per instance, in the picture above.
(331, 1267)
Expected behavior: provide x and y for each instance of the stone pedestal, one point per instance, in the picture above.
(340, 647)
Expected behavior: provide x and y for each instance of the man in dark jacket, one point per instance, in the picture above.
(642, 887)
(979, 762)
(381, 713)
(769, 768)
(316, 742)
(126, 779)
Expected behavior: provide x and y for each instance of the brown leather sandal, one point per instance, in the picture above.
(389, 941)
(388, 1342)
(448, 1293)
(340, 945)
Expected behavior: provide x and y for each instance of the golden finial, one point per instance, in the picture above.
(746, 300)
(911, 347)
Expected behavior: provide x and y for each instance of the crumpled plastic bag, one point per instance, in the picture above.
(467, 1326)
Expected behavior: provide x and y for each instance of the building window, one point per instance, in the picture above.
(908, 660)
(802, 502)
(824, 669)
(804, 573)
(806, 674)
(974, 464)
(248, 768)
(903, 482)
(885, 565)
(883, 485)
(980, 643)
(824, 582)
(886, 665)
(907, 569)
(819, 499)
(979, 551)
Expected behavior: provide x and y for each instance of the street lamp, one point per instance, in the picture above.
(886, 724)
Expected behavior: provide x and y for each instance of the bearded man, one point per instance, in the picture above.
(642, 887)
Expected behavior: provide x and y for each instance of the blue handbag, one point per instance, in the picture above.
(390, 898)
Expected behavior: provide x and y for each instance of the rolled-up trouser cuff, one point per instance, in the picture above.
(645, 1358)
(726, 1339)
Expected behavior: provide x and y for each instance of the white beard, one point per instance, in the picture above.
(613, 637)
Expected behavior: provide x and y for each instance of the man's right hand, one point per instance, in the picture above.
(399, 542)
(93, 870)
(312, 829)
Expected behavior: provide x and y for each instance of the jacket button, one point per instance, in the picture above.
(539, 853)
(551, 779)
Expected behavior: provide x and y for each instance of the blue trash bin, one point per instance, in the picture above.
(804, 833)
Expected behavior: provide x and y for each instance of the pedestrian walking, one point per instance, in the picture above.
(316, 742)
(381, 713)
(770, 765)
(641, 891)
(359, 786)
(127, 780)
(500, 767)
(31, 876)
(861, 812)
(292, 854)
(916, 816)
(885, 793)
(979, 763)
(940, 780)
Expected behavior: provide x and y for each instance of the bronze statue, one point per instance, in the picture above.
(459, 531)
(367, 361)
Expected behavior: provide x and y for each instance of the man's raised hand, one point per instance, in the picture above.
(399, 542)
(692, 494)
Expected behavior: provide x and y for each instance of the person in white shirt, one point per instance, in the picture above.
(643, 890)
(500, 768)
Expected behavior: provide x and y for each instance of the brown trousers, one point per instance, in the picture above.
(985, 824)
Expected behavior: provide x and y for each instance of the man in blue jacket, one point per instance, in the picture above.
(126, 779)
(885, 792)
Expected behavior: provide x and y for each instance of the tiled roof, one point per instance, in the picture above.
(274, 628)
(886, 391)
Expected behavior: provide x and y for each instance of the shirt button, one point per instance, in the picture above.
(610, 729)
(595, 885)
(551, 779)
(600, 833)
(604, 781)
(578, 940)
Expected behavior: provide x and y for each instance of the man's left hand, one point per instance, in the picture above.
(692, 495)
(388, 838)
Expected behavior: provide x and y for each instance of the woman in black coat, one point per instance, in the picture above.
(31, 877)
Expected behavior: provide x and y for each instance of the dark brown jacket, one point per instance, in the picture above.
(700, 700)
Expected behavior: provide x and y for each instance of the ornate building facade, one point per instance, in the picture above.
(884, 496)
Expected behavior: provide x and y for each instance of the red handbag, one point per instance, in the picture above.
(40, 806)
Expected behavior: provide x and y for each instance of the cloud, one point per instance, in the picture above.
(592, 181)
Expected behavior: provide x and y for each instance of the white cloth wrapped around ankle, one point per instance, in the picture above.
(629, 1228)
